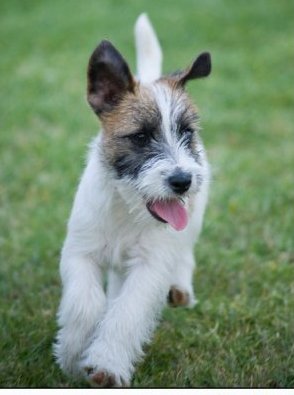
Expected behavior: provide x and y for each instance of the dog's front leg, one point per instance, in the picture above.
(81, 308)
(128, 323)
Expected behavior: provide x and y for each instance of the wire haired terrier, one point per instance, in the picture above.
(136, 215)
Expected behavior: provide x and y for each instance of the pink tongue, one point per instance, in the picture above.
(171, 211)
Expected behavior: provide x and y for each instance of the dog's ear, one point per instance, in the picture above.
(200, 68)
(109, 78)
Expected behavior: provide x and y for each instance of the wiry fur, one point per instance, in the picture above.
(110, 231)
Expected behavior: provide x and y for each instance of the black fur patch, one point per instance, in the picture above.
(130, 163)
(133, 156)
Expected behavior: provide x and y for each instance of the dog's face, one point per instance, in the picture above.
(150, 140)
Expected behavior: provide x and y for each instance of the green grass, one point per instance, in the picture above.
(241, 332)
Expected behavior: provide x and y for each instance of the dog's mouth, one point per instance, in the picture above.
(170, 211)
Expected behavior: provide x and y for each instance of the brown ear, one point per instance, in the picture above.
(109, 78)
(200, 68)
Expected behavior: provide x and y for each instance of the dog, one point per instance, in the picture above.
(137, 212)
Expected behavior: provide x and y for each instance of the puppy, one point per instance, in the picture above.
(136, 215)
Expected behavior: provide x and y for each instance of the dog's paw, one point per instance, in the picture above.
(180, 298)
(102, 372)
(102, 378)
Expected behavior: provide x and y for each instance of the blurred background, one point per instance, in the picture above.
(241, 332)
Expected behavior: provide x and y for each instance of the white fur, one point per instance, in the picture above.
(110, 231)
(149, 55)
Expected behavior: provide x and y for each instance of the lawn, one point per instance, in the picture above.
(241, 332)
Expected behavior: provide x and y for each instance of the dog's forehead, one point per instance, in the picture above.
(173, 102)
(151, 106)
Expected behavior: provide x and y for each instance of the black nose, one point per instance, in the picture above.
(180, 181)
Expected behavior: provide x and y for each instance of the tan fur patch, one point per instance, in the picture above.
(177, 298)
(103, 379)
(127, 118)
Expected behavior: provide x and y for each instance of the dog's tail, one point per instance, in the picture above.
(149, 55)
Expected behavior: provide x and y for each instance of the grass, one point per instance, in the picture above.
(241, 332)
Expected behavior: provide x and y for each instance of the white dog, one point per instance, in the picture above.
(136, 215)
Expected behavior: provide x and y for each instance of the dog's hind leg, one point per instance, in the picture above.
(81, 308)
(181, 291)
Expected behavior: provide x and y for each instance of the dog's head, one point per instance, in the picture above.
(150, 137)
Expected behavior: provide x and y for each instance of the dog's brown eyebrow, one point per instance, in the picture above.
(146, 122)
(151, 125)
(149, 115)
(146, 130)
(187, 117)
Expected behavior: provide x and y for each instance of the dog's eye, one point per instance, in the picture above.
(186, 134)
(140, 139)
